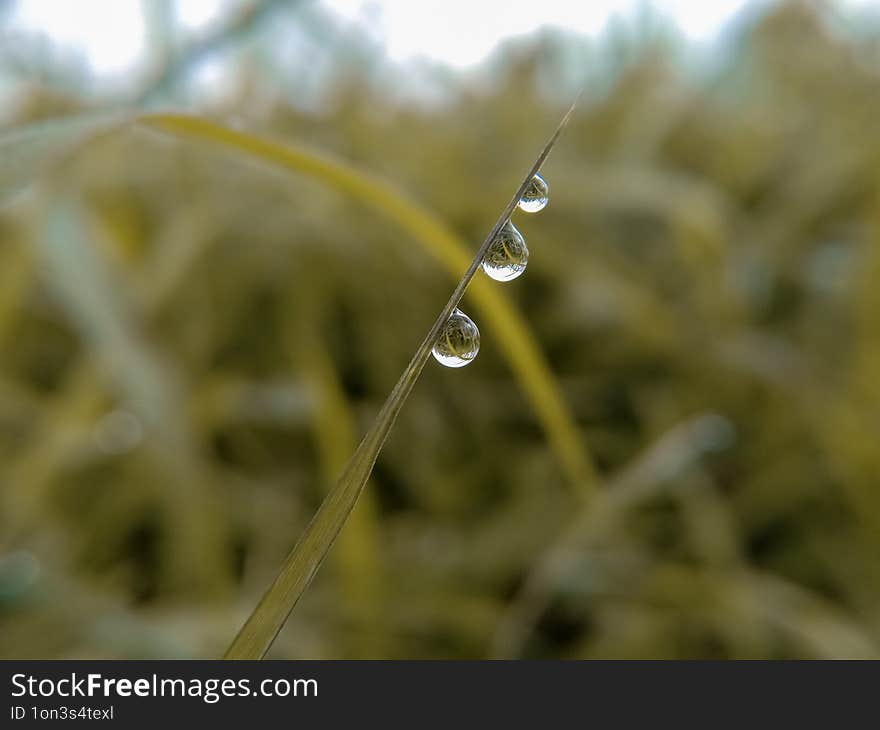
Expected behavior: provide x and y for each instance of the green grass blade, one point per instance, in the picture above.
(33, 148)
(494, 308)
(267, 619)
(28, 151)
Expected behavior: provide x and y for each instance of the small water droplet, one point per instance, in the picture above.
(507, 255)
(536, 196)
(458, 342)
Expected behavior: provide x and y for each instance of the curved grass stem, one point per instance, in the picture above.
(259, 631)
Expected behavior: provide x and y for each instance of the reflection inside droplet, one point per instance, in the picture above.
(536, 195)
(458, 342)
(507, 255)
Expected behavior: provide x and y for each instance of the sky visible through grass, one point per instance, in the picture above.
(453, 32)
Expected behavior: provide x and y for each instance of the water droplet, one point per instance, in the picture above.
(507, 255)
(458, 342)
(536, 196)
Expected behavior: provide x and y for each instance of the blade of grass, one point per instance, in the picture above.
(513, 333)
(28, 151)
(259, 631)
(528, 364)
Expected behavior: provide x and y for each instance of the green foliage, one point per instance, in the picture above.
(192, 345)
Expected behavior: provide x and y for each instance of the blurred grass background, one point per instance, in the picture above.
(192, 344)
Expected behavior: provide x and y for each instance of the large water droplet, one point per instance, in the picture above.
(458, 342)
(536, 195)
(507, 255)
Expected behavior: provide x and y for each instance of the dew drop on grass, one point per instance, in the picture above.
(458, 342)
(507, 255)
(536, 195)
